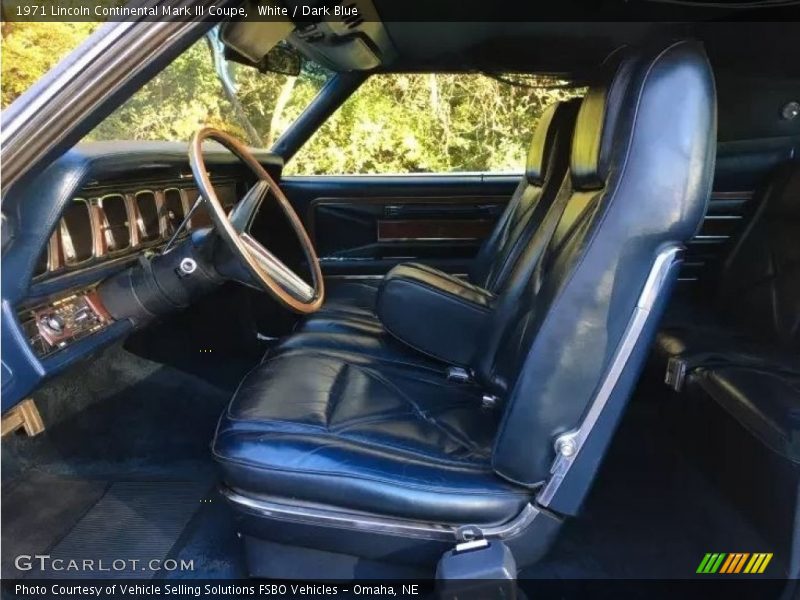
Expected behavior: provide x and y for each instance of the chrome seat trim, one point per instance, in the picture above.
(330, 517)
(568, 445)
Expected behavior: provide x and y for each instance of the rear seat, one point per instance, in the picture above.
(755, 321)
(743, 353)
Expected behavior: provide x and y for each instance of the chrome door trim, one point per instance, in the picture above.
(111, 57)
(333, 517)
(568, 445)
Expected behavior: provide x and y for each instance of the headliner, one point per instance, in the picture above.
(747, 49)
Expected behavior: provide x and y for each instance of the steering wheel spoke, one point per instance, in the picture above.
(242, 215)
(263, 267)
(278, 270)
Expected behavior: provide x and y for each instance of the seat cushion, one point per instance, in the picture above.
(766, 402)
(358, 435)
(355, 297)
(349, 308)
(379, 346)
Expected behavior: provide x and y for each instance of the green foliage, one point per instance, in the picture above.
(407, 123)
(188, 95)
(398, 123)
(29, 50)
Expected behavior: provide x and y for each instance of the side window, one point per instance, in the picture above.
(432, 123)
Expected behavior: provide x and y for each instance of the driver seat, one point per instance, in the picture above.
(341, 466)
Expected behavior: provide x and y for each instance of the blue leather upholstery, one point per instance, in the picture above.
(355, 433)
(350, 305)
(347, 432)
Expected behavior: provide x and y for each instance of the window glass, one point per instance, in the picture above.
(188, 94)
(29, 50)
(432, 123)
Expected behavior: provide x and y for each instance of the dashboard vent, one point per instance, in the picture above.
(77, 233)
(173, 210)
(147, 216)
(116, 225)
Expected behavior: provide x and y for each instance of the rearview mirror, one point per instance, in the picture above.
(282, 59)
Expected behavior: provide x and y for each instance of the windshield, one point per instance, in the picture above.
(189, 93)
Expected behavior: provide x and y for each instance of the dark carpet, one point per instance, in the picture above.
(123, 469)
(125, 462)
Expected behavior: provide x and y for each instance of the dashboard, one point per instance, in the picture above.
(94, 212)
(105, 225)
(110, 222)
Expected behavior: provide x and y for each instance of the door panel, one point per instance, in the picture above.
(364, 225)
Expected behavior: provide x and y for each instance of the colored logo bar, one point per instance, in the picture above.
(733, 563)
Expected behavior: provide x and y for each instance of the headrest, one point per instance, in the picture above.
(635, 89)
(557, 122)
(594, 127)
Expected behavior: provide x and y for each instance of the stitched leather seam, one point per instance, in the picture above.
(391, 482)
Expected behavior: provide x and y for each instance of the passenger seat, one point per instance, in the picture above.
(350, 306)
(503, 262)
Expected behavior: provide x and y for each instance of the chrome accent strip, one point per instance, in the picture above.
(355, 277)
(287, 278)
(568, 445)
(371, 523)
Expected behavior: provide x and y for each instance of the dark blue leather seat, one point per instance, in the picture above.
(342, 455)
(350, 305)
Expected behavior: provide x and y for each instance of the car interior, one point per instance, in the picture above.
(594, 361)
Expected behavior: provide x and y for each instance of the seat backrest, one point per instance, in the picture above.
(548, 158)
(759, 285)
(640, 175)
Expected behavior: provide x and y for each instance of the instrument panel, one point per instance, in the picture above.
(108, 222)
(100, 225)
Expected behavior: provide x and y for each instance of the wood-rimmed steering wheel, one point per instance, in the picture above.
(266, 269)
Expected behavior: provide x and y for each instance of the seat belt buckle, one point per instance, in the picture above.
(676, 373)
(489, 401)
(458, 375)
(478, 568)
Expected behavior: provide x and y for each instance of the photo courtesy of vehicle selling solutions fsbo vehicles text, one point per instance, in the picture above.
(441, 300)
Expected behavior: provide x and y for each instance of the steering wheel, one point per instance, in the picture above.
(265, 268)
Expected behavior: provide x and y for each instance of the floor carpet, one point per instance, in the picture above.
(125, 466)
